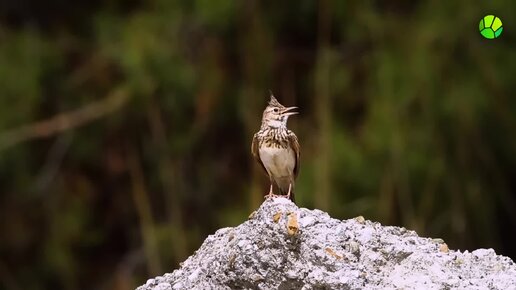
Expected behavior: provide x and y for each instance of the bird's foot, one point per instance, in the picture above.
(271, 195)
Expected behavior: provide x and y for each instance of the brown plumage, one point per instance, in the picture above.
(276, 148)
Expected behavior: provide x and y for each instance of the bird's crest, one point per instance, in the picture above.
(273, 102)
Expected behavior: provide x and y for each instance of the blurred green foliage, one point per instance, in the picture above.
(407, 117)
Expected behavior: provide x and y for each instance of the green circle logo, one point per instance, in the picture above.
(490, 27)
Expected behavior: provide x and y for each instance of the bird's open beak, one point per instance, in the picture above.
(287, 111)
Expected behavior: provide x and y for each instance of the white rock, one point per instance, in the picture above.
(150, 281)
(163, 286)
(331, 254)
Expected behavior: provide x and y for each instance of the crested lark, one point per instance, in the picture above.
(276, 148)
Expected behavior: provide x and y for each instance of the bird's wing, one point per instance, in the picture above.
(256, 152)
(297, 150)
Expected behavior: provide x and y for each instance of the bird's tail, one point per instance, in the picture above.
(284, 191)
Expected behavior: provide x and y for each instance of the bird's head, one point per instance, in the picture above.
(276, 115)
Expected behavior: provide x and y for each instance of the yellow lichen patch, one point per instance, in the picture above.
(231, 260)
(360, 219)
(444, 248)
(277, 217)
(231, 236)
(292, 224)
(332, 253)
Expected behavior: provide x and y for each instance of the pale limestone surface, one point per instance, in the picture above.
(318, 252)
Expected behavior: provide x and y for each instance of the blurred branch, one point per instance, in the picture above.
(64, 121)
(53, 162)
(170, 180)
(144, 210)
(323, 107)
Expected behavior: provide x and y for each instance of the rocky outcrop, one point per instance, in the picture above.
(282, 246)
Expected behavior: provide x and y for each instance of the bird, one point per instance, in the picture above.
(276, 148)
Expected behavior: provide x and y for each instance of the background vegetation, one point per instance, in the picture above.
(125, 126)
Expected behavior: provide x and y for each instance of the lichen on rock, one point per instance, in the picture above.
(282, 246)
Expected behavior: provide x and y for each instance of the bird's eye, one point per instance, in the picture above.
(275, 110)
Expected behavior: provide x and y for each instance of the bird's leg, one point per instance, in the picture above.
(289, 190)
(270, 195)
